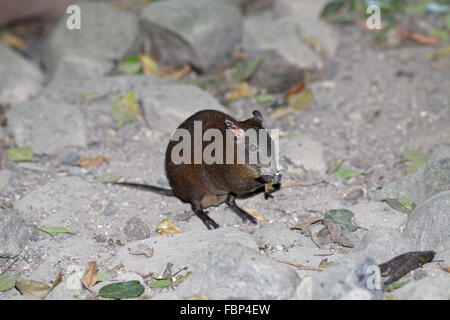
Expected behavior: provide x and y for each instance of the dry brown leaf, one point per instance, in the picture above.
(290, 183)
(90, 274)
(256, 214)
(92, 161)
(418, 37)
(177, 75)
(298, 88)
(446, 269)
(13, 41)
(324, 263)
(307, 223)
(242, 91)
(198, 296)
(167, 227)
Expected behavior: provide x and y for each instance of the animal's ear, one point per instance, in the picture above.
(257, 116)
(233, 127)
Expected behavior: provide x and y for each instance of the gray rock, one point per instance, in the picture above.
(14, 233)
(380, 244)
(171, 104)
(199, 32)
(250, 275)
(305, 156)
(278, 235)
(431, 178)
(70, 158)
(5, 175)
(21, 79)
(210, 255)
(431, 288)
(371, 214)
(45, 125)
(136, 229)
(59, 201)
(300, 9)
(428, 225)
(280, 43)
(94, 48)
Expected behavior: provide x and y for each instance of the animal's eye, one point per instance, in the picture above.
(253, 147)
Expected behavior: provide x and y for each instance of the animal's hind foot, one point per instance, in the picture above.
(244, 215)
(203, 215)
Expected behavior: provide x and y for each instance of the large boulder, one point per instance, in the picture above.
(21, 79)
(106, 36)
(197, 32)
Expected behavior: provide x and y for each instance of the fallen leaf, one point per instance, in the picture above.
(125, 108)
(324, 263)
(101, 276)
(92, 161)
(242, 91)
(198, 296)
(20, 155)
(302, 100)
(397, 205)
(298, 88)
(343, 217)
(122, 290)
(53, 231)
(334, 164)
(443, 52)
(243, 71)
(347, 173)
(289, 183)
(13, 41)
(141, 250)
(109, 177)
(167, 227)
(33, 288)
(264, 98)
(445, 269)
(149, 66)
(8, 281)
(394, 286)
(339, 234)
(307, 223)
(401, 265)
(418, 37)
(90, 274)
(256, 214)
(413, 160)
(131, 65)
(177, 75)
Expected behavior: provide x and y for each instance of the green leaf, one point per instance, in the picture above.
(396, 285)
(447, 21)
(332, 7)
(125, 108)
(418, 8)
(407, 203)
(8, 281)
(20, 155)
(413, 160)
(334, 164)
(33, 288)
(109, 177)
(160, 283)
(440, 33)
(264, 98)
(53, 231)
(131, 65)
(343, 217)
(244, 71)
(93, 95)
(402, 204)
(347, 173)
(301, 100)
(101, 276)
(122, 290)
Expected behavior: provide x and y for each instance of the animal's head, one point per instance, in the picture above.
(254, 147)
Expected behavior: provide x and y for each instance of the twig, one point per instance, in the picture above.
(299, 266)
(11, 264)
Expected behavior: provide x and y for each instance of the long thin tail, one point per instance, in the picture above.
(164, 192)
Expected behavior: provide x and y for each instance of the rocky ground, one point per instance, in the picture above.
(370, 105)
